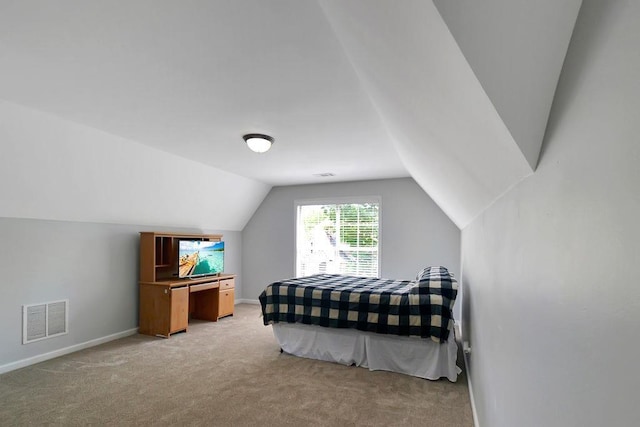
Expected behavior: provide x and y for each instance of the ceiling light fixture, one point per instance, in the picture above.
(258, 142)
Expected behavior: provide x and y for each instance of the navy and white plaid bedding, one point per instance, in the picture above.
(398, 307)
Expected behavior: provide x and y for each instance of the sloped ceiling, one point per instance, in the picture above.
(456, 96)
(448, 132)
(516, 49)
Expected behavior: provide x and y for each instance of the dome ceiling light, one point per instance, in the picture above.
(258, 142)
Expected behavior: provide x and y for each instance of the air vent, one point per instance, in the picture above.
(325, 174)
(46, 320)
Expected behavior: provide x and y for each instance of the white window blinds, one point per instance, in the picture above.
(338, 238)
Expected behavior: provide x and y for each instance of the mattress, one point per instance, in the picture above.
(421, 308)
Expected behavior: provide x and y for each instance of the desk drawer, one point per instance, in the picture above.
(203, 287)
(227, 284)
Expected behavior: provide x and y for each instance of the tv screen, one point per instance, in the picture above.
(200, 258)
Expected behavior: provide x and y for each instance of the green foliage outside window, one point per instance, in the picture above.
(338, 238)
(358, 223)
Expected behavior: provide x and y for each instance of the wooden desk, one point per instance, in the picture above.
(166, 306)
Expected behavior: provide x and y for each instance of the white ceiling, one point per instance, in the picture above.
(192, 77)
(360, 89)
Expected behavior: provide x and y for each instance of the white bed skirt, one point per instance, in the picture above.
(414, 356)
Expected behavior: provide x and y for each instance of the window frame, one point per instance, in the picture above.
(337, 201)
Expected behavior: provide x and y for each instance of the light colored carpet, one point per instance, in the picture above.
(228, 373)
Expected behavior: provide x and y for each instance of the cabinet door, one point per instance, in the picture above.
(179, 309)
(226, 303)
(155, 308)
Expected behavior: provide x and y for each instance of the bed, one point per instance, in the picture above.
(381, 324)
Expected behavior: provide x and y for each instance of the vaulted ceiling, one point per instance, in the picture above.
(455, 93)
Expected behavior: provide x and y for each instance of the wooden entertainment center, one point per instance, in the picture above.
(166, 301)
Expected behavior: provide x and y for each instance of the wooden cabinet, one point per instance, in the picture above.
(166, 301)
(163, 310)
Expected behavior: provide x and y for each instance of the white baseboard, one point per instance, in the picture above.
(476, 423)
(61, 352)
(248, 301)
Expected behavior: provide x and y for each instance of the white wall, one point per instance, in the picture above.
(93, 265)
(415, 232)
(550, 271)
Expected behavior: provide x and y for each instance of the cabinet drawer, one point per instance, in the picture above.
(227, 284)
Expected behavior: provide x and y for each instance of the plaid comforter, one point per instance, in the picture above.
(399, 307)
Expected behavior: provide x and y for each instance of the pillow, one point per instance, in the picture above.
(436, 281)
(427, 271)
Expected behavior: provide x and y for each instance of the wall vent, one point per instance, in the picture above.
(46, 320)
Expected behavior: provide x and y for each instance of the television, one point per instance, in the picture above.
(200, 258)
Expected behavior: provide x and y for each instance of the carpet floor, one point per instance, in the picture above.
(225, 373)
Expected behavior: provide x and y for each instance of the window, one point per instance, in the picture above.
(339, 238)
